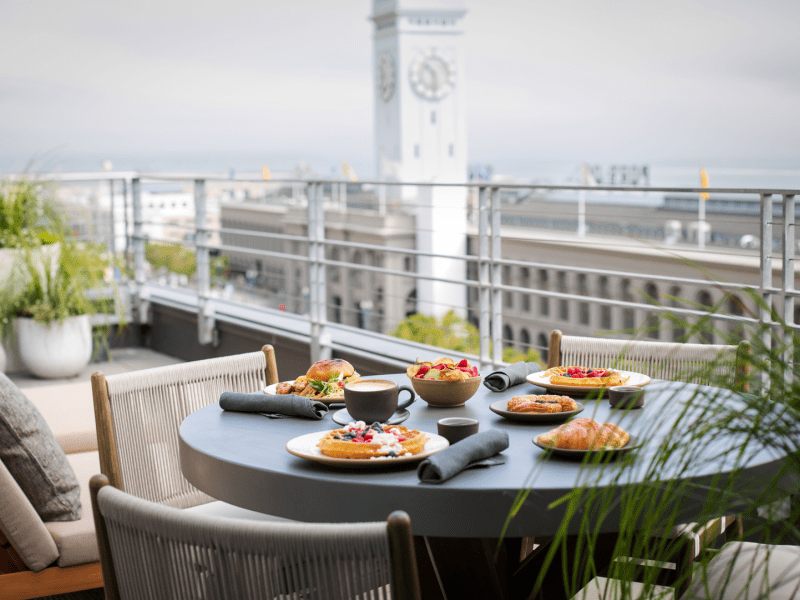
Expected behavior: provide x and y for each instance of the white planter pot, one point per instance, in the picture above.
(56, 349)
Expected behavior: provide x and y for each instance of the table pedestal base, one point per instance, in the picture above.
(477, 568)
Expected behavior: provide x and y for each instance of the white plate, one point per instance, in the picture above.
(305, 446)
(273, 389)
(542, 381)
(500, 407)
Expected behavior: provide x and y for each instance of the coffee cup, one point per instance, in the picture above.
(374, 400)
(455, 429)
(626, 396)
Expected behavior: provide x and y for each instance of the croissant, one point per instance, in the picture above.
(585, 434)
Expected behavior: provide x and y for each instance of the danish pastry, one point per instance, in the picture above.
(584, 376)
(541, 404)
(585, 434)
(361, 441)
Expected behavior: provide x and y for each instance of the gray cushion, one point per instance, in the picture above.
(33, 457)
(748, 571)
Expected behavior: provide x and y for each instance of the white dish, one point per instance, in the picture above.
(305, 446)
(273, 389)
(544, 381)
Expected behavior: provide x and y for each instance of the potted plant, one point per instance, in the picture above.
(51, 312)
(28, 220)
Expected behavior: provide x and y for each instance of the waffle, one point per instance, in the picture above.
(558, 377)
(355, 441)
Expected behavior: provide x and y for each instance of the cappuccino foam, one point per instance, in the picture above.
(370, 386)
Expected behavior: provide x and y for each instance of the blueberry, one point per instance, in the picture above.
(392, 453)
(337, 437)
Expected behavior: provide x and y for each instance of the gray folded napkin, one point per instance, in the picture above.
(273, 405)
(476, 450)
(502, 379)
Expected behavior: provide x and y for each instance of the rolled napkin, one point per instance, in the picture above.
(288, 405)
(467, 453)
(502, 379)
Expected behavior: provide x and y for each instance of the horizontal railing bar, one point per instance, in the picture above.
(625, 274)
(265, 234)
(531, 186)
(624, 303)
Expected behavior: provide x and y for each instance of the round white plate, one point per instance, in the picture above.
(544, 381)
(305, 446)
(273, 389)
(500, 407)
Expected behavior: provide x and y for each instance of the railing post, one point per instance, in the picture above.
(317, 314)
(788, 285)
(112, 245)
(484, 265)
(206, 326)
(140, 304)
(497, 294)
(125, 220)
(765, 316)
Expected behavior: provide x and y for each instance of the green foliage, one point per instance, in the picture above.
(454, 333)
(451, 332)
(27, 218)
(649, 491)
(174, 258)
(512, 355)
(53, 290)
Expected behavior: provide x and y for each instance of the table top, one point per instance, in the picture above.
(241, 458)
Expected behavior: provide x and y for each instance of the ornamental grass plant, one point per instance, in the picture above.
(644, 493)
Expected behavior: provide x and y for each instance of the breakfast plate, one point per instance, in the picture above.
(273, 389)
(632, 444)
(305, 446)
(500, 406)
(542, 380)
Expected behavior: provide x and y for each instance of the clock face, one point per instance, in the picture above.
(432, 75)
(386, 76)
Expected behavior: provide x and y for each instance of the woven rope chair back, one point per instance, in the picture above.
(693, 363)
(159, 552)
(147, 408)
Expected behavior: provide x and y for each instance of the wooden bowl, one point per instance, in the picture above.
(446, 394)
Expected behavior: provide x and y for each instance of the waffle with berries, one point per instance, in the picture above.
(584, 376)
(547, 403)
(361, 441)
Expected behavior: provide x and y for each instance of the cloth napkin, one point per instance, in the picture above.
(273, 405)
(476, 450)
(501, 380)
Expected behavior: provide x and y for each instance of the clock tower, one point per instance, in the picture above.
(420, 125)
(420, 134)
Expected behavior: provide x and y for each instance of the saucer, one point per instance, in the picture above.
(342, 417)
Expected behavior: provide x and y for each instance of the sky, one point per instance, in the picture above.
(266, 82)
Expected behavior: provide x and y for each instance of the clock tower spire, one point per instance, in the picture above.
(420, 135)
(420, 125)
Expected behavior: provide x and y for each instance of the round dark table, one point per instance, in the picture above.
(241, 458)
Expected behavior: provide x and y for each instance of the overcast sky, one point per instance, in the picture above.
(714, 81)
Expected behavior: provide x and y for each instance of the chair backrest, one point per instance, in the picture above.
(693, 363)
(138, 415)
(150, 551)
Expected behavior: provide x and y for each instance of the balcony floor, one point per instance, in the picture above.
(122, 360)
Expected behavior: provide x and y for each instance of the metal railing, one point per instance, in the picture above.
(485, 211)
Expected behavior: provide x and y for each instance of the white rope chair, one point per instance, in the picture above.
(138, 415)
(150, 551)
(693, 363)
